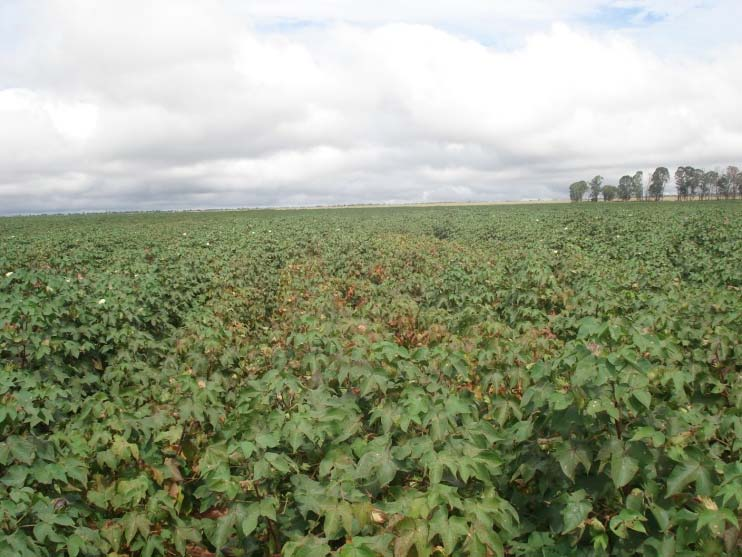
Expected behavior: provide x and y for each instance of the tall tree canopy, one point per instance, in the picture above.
(735, 180)
(596, 186)
(682, 181)
(637, 189)
(708, 183)
(577, 190)
(659, 178)
(609, 193)
(625, 187)
(723, 186)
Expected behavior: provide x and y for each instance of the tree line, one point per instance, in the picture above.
(691, 183)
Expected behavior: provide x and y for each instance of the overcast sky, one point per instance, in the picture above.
(111, 105)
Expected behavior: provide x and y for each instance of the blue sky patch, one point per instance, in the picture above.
(615, 17)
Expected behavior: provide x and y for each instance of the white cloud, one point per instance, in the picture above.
(178, 104)
(75, 121)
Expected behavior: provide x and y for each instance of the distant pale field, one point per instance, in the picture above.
(451, 204)
(671, 198)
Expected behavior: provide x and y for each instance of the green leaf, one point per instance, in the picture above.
(309, 546)
(15, 476)
(267, 440)
(667, 547)
(627, 520)
(338, 517)
(569, 456)
(356, 550)
(657, 437)
(623, 468)
(250, 519)
(412, 533)
(715, 519)
(377, 468)
(482, 540)
(685, 474)
(279, 461)
(134, 522)
(576, 511)
(45, 531)
(661, 515)
(268, 507)
(589, 326)
(74, 544)
(112, 532)
(664, 547)
(154, 543)
(225, 526)
(21, 449)
(643, 396)
(182, 535)
(130, 492)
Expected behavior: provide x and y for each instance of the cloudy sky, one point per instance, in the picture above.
(110, 105)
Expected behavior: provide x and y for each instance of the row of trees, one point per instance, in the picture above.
(691, 183)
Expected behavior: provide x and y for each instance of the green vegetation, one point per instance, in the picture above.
(525, 380)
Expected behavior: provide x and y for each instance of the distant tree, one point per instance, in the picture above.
(577, 191)
(723, 187)
(734, 180)
(682, 181)
(625, 187)
(637, 189)
(715, 186)
(738, 185)
(691, 183)
(708, 183)
(596, 186)
(657, 182)
(696, 181)
(609, 193)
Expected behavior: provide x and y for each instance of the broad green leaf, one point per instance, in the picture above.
(576, 511)
(21, 449)
(74, 544)
(627, 520)
(684, 474)
(250, 519)
(623, 468)
(569, 456)
(309, 546)
(356, 550)
(134, 522)
(225, 527)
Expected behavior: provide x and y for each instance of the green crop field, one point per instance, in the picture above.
(498, 381)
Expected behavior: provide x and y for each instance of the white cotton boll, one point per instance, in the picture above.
(101, 301)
